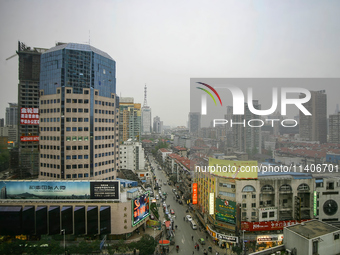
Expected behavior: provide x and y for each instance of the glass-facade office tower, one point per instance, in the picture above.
(78, 114)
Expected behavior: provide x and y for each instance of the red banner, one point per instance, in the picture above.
(29, 138)
(29, 116)
(194, 193)
(267, 225)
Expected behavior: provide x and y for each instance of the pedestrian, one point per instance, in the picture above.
(198, 247)
(195, 247)
(192, 238)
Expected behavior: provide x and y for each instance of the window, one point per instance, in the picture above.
(244, 196)
(253, 196)
(253, 214)
(330, 185)
(253, 205)
(267, 188)
(244, 205)
(68, 91)
(303, 186)
(315, 247)
(271, 214)
(265, 215)
(86, 92)
(336, 236)
(248, 188)
(285, 187)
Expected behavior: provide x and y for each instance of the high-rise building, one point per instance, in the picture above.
(146, 116)
(194, 122)
(314, 127)
(12, 114)
(157, 125)
(334, 128)
(2, 122)
(28, 103)
(78, 114)
(245, 137)
(129, 119)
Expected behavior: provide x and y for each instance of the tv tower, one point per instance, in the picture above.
(145, 100)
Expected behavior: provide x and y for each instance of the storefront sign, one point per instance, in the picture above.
(211, 203)
(269, 238)
(229, 239)
(194, 193)
(29, 138)
(267, 225)
(225, 210)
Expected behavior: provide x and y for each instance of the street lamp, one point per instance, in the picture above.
(62, 232)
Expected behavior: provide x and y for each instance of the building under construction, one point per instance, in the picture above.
(28, 98)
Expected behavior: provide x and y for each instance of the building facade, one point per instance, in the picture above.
(12, 114)
(334, 128)
(28, 100)
(129, 119)
(314, 127)
(194, 123)
(157, 125)
(78, 114)
(131, 155)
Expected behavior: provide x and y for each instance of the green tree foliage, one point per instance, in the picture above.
(146, 245)
(4, 159)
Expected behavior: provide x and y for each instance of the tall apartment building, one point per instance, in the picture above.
(245, 137)
(146, 116)
(334, 128)
(129, 119)
(131, 155)
(12, 114)
(28, 101)
(157, 125)
(2, 122)
(78, 114)
(194, 122)
(314, 127)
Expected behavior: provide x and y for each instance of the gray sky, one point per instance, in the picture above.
(165, 43)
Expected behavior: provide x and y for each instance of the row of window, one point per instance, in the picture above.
(77, 129)
(75, 110)
(49, 119)
(99, 137)
(227, 185)
(54, 129)
(103, 103)
(105, 120)
(269, 188)
(244, 196)
(75, 138)
(79, 147)
(68, 157)
(49, 156)
(244, 205)
(104, 112)
(52, 110)
(77, 101)
(49, 138)
(77, 119)
(52, 101)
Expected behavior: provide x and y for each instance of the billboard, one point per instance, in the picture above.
(140, 208)
(194, 193)
(29, 116)
(233, 169)
(29, 138)
(227, 238)
(211, 203)
(225, 211)
(268, 225)
(59, 189)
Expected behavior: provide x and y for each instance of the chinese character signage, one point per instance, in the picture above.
(315, 203)
(59, 189)
(227, 238)
(225, 210)
(29, 138)
(211, 203)
(140, 208)
(29, 116)
(267, 225)
(194, 193)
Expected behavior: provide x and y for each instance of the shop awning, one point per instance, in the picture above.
(164, 242)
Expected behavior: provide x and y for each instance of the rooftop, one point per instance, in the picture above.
(80, 47)
(312, 229)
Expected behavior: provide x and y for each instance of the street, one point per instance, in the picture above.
(184, 232)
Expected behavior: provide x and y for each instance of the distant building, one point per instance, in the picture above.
(11, 132)
(12, 114)
(78, 114)
(2, 122)
(131, 155)
(246, 138)
(129, 119)
(334, 128)
(146, 116)
(314, 127)
(194, 122)
(157, 125)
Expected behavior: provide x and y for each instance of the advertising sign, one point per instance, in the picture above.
(59, 189)
(269, 238)
(140, 207)
(267, 225)
(225, 210)
(194, 193)
(29, 138)
(29, 116)
(229, 239)
(315, 204)
(233, 169)
(211, 203)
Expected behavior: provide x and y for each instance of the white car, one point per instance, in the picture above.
(157, 197)
(188, 217)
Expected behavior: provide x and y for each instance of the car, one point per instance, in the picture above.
(180, 202)
(173, 190)
(177, 196)
(164, 183)
(188, 217)
(172, 211)
(201, 241)
(157, 197)
(169, 183)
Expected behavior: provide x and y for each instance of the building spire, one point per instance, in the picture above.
(145, 100)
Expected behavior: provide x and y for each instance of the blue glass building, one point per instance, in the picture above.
(78, 114)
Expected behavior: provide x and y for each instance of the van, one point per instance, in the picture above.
(193, 224)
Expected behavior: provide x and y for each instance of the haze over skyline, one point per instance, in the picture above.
(164, 44)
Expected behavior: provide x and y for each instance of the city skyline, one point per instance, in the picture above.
(165, 44)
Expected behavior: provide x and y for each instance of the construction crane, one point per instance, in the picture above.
(11, 57)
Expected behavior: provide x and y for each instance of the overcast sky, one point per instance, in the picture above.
(165, 43)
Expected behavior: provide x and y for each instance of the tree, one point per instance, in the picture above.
(146, 245)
